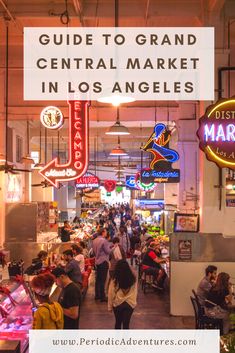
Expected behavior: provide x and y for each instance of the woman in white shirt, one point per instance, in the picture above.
(122, 294)
(78, 256)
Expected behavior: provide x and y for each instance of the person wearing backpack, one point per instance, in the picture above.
(48, 315)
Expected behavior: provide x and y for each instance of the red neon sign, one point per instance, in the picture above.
(88, 180)
(77, 165)
(109, 185)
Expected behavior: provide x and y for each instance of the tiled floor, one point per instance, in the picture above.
(152, 312)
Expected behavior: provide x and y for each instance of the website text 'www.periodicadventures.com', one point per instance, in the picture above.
(124, 342)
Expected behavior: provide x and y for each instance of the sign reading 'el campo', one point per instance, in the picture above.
(217, 133)
(77, 165)
(150, 63)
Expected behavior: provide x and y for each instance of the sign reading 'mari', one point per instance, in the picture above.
(217, 133)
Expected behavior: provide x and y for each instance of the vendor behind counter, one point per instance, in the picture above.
(37, 263)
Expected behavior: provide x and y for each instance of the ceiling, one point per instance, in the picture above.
(139, 116)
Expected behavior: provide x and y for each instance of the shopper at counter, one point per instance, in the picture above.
(49, 315)
(69, 299)
(78, 256)
(206, 283)
(72, 267)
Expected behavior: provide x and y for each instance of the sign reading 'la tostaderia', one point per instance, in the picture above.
(217, 133)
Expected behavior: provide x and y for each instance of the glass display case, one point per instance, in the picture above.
(15, 314)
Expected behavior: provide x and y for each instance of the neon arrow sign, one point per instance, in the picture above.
(77, 165)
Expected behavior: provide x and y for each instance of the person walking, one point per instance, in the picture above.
(101, 249)
(117, 253)
(122, 294)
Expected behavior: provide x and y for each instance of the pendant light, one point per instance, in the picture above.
(116, 99)
(118, 128)
(27, 159)
(118, 151)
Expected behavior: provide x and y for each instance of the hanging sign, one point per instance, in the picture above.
(109, 185)
(54, 172)
(216, 133)
(88, 180)
(52, 118)
(141, 185)
(130, 182)
(163, 176)
(160, 170)
(135, 182)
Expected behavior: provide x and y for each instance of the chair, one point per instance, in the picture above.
(146, 279)
(202, 321)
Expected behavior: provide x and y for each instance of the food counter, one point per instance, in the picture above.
(15, 314)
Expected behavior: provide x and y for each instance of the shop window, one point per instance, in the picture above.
(19, 148)
(35, 156)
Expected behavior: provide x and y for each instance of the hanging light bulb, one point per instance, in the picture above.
(116, 100)
(118, 151)
(118, 128)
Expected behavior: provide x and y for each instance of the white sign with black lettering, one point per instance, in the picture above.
(174, 63)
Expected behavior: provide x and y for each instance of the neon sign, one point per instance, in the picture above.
(217, 133)
(109, 185)
(77, 165)
(88, 180)
(158, 143)
(52, 118)
(160, 167)
(147, 187)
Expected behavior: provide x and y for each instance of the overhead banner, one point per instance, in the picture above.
(151, 63)
(216, 133)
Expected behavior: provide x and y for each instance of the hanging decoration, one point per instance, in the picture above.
(52, 118)
(77, 165)
(160, 170)
(216, 133)
(110, 185)
(141, 185)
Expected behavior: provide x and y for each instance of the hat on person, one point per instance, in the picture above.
(58, 271)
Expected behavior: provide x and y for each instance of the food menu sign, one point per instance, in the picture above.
(216, 133)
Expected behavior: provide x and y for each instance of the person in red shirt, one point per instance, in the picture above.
(151, 264)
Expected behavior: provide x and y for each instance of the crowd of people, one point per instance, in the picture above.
(120, 248)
